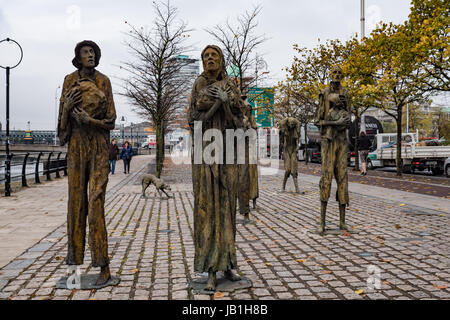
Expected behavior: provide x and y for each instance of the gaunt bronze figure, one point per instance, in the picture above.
(86, 115)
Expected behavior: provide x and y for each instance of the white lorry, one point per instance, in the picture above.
(415, 156)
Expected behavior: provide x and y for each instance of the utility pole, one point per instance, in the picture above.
(363, 27)
(363, 19)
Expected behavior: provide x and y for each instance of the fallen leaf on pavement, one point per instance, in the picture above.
(134, 270)
(58, 258)
(440, 287)
(218, 295)
(397, 226)
(402, 204)
(359, 291)
(300, 260)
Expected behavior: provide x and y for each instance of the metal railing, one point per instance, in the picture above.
(44, 163)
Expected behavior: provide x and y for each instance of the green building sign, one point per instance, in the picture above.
(261, 100)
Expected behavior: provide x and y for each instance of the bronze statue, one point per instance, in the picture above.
(250, 123)
(290, 135)
(216, 102)
(86, 115)
(160, 185)
(333, 119)
(244, 168)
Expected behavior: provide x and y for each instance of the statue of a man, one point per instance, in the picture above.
(253, 165)
(290, 135)
(86, 115)
(248, 178)
(216, 103)
(333, 119)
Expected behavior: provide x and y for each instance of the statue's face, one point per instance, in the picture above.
(87, 57)
(291, 122)
(336, 75)
(211, 60)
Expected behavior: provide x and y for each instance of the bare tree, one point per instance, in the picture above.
(240, 44)
(155, 86)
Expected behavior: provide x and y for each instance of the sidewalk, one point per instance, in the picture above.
(30, 214)
(404, 241)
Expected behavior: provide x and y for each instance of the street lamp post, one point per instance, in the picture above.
(122, 127)
(8, 157)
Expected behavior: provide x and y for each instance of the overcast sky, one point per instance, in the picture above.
(49, 29)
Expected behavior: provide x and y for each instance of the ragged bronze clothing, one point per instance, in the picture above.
(88, 155)
(215, 186)
(253, 168)
(334, 145)
(290, 135)
(334, 161)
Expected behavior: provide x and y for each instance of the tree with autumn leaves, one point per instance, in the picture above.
(396, 65)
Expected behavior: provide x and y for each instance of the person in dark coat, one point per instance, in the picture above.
(113, 153)
(126, 154)
(363, 148)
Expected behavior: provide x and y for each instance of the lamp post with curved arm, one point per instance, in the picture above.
(8, 159)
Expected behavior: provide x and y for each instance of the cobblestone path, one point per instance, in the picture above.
(403, 250)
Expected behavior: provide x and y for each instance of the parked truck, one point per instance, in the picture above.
(414, 155)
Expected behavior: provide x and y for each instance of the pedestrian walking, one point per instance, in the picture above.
(363, 148)
(113, 153)
(126, 154)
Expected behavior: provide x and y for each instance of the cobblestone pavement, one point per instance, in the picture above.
(402, 248)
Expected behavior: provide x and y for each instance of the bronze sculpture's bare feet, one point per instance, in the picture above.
(246, 218)
(321, 230)
(230, 275)
(104, 276)
(342, 224)
(212, 281)
(254, 203)
(323, 210)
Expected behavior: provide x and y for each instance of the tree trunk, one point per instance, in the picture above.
(398, 159)
(159, 148)
(306, 143)
(357, 127)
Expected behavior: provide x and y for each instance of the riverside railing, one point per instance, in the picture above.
(38, 164)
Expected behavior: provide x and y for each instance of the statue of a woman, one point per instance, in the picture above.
(216, 103)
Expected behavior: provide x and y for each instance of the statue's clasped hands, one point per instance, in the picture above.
(72, 98)
(219, 93)
(344, 121)
(81, 116)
